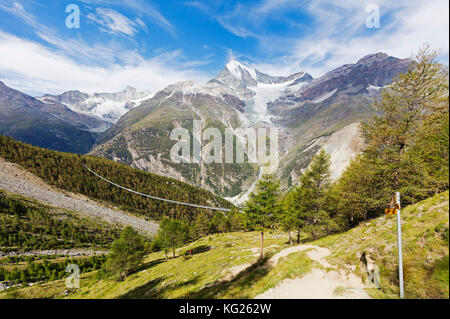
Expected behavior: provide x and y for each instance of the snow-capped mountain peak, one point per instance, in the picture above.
(240, 71)
(258, 89)
(107, 106)
(240, 77)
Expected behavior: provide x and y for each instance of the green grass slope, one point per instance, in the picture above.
(425, 249)
(200, 276)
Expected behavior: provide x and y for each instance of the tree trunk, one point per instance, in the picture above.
(173, 251)
(298, 236)
(291, 241)
(261, 253)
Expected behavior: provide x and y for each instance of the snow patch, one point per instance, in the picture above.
(264, 94)
(375, 88)
(296, 87)
(324, 97)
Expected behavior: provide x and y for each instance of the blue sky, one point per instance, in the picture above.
(151, 44)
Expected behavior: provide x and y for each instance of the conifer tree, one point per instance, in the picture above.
(219, 223)
(172, 233)
(262, 207)
(201, 226)
(127, 253)
(311, 198)
(235, 220)
(287, 217)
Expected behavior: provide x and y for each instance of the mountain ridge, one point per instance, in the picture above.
(49, 125)
(106, 106)
(306, 111)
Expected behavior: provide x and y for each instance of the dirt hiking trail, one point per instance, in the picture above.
(318, 283)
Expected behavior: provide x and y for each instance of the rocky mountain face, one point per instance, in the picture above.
(106, 106)
(141, 137)
(371, 72)
(309, 114)
(236, 98)
(50, 125)
(257, 89)
(328, 104)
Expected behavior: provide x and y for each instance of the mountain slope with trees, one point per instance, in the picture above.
(66, 171)
(407, 144)
(305, 111)
(28, 225)
(406, 151)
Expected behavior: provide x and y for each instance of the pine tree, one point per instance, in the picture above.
(401, 111)
(262, 207)
(201, 225)
(23, 276)
(127, 253)
(172, 233)
(287, 217)
(235, 220)
(311, 197)
(219, 223)
(431, 147)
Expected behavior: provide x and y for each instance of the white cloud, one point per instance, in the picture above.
(340, 40)
(61, 64)
(141, 8)
(30, 67)
(232, 20)
(113, 21)
(75, 48)
(17, 9)
(335, 33)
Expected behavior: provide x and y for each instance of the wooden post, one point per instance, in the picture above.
(399, 236)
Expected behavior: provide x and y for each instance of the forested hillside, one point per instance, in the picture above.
(36, 240)
(406, 151)
(65, 171)
(27, 225)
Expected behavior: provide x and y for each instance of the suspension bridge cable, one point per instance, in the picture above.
(155, 197)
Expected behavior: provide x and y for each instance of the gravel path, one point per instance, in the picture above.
(15, 179)
(59, 252)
